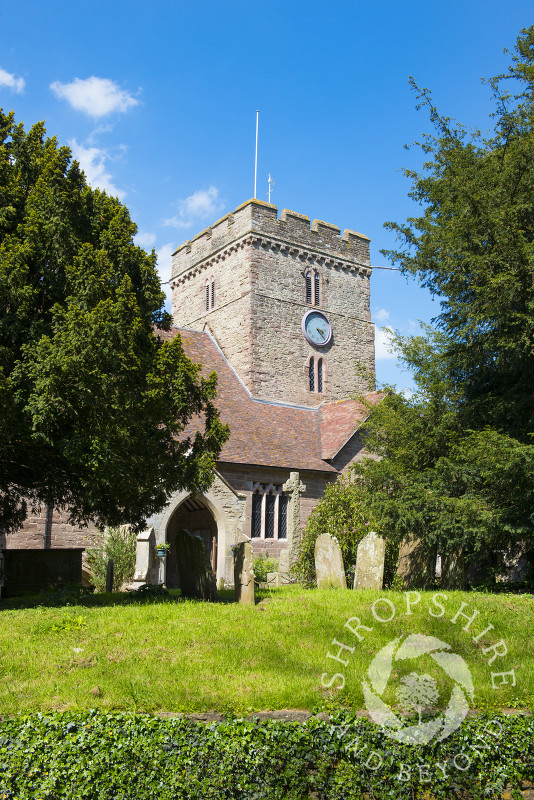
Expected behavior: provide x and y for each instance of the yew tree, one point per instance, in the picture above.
(473, 247)
(93, 399)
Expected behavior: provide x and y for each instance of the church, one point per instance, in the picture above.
(278, 307)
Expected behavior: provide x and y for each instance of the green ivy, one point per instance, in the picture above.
(122, 756)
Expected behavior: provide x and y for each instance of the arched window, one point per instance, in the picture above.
(317, 286)
(308, 287)
(320, 375)
(311, 374)
(213, 292)
(207, 296)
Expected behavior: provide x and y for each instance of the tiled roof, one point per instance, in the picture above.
(265, 433)
(339, 421)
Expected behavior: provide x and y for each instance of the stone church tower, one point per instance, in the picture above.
(287, 304)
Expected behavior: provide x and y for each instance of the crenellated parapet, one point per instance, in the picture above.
(257, 223)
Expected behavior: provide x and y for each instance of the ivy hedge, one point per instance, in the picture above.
(123, 756)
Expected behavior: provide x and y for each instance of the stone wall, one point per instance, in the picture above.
(258, 263)
(58, 533)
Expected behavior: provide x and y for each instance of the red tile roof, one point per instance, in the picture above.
(340, 420)
(267, 433)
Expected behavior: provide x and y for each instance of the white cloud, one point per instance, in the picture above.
(96, 96)
(93, 162)
(9, 80)
(381, 315)
(164, 255)
(383, 343)
(200, 205)
(146, 240)
(407, 392)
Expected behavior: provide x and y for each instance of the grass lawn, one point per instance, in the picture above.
(191, 656)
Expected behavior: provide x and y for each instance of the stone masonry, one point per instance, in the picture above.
(50, 529)
(258, 264)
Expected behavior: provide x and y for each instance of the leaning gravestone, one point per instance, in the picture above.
(194, 568)
(417, 565)
(329, 563)
(453, 571)
(243, 573)
(369, 572)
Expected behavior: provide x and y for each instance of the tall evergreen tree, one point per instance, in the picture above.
(93, 401)
(473, 247)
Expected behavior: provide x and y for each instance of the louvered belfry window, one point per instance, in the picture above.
(311, 374)
(207, 297)
(317, 286)
(269, 512)
(308, 287)
(213, 292)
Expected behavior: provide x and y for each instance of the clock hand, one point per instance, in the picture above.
(321, 331)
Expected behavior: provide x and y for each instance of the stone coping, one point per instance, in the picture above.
(300, 715)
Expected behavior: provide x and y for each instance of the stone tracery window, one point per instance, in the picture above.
(269, 512)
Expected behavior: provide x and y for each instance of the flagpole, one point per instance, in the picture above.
(256, 161)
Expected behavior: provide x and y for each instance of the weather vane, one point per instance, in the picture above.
(271, 184)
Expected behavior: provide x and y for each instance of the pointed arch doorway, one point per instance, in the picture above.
(194, 515)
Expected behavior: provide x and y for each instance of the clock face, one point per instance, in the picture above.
(316, 328)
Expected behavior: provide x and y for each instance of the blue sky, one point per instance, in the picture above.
(157, 101)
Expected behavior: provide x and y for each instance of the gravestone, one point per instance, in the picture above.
(195, 574)
(288, 556)
(146, 563)
(329, 563)
(417, 564)
(369, 572)
(109, 575)
(453, 571)
(277, 579)
(243, 573)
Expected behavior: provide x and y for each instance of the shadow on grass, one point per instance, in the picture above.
(58, 597)
(62, 596)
